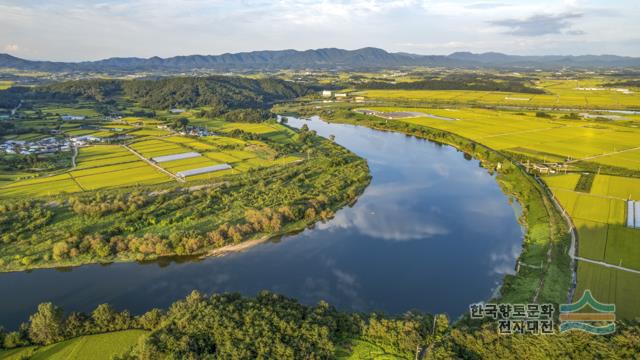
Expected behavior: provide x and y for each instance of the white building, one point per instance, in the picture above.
(326, 93)
(71, 117)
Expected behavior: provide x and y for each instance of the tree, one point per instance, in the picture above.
(46, 325)
(60, 250)
(103, 317)
(182, 123)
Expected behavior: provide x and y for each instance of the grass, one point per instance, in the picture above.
(585, 182)
(95, 347)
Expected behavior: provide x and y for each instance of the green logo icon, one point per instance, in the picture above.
(600, 322)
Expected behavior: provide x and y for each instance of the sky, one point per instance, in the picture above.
(71, 30)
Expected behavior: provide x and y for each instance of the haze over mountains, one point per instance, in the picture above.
(329, 58)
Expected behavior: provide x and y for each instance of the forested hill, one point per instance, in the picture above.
(330, 58)
(218, 92)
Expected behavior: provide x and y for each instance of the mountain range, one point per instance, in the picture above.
(329, 58)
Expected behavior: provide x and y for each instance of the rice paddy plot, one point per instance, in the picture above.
(72, 111)
(111, 160)
(141, 175)
(623, 247)
(616, 186)
(188, 164)
(611, 286)
(44, 186)
(628, 160)
(259, 128)
(222, 157)
(592, 237)
(565, 181)
(148, 132)
(95, 347)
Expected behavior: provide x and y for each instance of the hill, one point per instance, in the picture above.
(329, 58)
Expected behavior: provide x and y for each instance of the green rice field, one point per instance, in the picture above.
(610, 286)
(95, 347)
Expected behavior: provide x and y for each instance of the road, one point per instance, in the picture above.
(13, 111)
(607, 265)
(603, 155)
(74, 157)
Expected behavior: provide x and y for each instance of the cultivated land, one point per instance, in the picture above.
(99, 347)
(591, 153)
(577, 94)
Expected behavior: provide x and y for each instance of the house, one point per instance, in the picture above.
(326, 93)
(83, 140)
(341, 95)
(541, 169)
(176, 111)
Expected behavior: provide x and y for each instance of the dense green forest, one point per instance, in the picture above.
(271, 326)
(459, 82)
(221, 93)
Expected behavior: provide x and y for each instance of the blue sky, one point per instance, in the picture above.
(86, 30)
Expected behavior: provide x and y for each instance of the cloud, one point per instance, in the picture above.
(486, 5)
(538, 25)
(11, 48)
(396, 222)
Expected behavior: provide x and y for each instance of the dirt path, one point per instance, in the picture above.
(14, 110)
(74, 157)
(621, 268)
(603, 155)
(176, 178)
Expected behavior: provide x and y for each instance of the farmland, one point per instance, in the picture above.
(560, 93)
(102, 346)
(111, 166)
(522, 132)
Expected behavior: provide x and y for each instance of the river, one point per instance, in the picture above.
(432, 232)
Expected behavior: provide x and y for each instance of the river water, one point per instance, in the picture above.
(432, 232)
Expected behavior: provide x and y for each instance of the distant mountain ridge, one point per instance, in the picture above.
(328, 58)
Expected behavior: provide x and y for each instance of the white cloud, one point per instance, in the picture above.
(78, 30)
